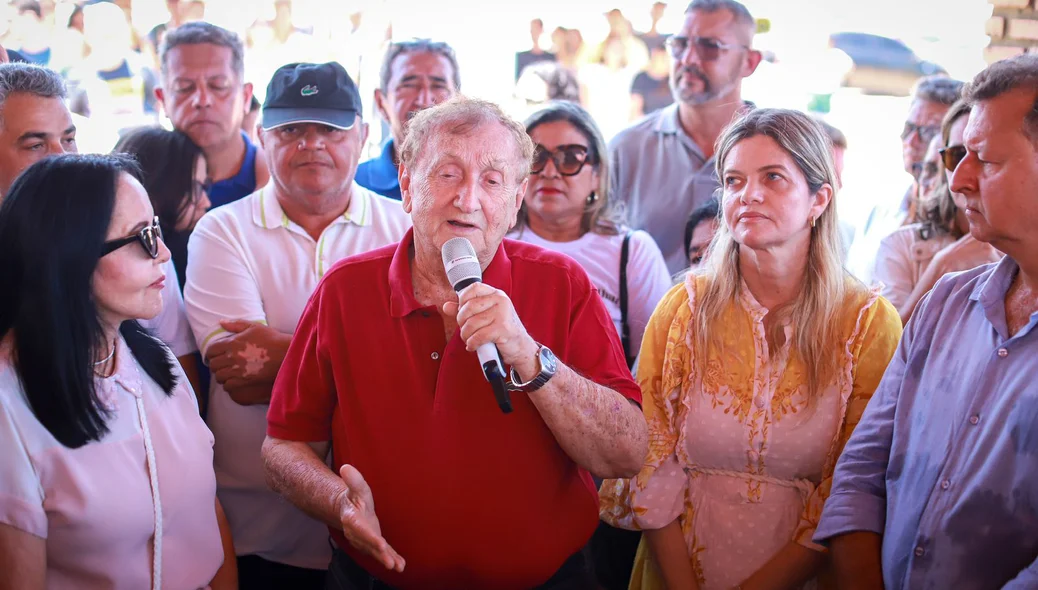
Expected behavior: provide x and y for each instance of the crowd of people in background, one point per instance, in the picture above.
(231, 355)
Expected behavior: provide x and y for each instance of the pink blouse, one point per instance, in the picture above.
(95, 505)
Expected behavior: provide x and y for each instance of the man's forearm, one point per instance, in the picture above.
(596, 426)
(297, 471)
(857, 560)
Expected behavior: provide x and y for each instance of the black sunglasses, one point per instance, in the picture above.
(148, 237)
(926, 132)
(707, 48)
(951, 156)
(569, 159)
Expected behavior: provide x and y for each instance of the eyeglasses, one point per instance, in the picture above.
(197, 188)
(148, 237)
(928, 174)
(569, 159)
(707, 48)
(926, 132)
(951, 156)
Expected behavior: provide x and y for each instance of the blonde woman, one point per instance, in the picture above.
(754, 372)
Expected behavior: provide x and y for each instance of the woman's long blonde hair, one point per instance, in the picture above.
(827, 287)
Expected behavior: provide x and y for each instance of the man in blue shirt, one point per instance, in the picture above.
(205, 95)
(415, 75)
(938, 486)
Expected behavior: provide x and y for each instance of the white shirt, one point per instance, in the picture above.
(250, 262)
(171, 325)
(647, 277)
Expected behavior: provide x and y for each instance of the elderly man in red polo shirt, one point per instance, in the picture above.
(382, 368)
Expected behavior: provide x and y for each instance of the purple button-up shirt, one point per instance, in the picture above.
(944, 463)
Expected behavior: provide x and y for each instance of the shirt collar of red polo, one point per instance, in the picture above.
(402, 301)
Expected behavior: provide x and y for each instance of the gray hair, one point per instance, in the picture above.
(199, 32)
(30, 79)
(1006, 75)
(938, 88)
(398, 48)
(738, 9)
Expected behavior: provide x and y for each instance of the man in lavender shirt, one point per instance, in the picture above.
(938, 486)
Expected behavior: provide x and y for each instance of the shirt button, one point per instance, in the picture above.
(1003, 353)
(435, 356)
(760, 402)
(974, 419)
(945, 484)
(919, 551)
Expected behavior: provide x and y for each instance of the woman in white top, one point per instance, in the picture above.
(568, 209)
(911, 259)
(106, 476)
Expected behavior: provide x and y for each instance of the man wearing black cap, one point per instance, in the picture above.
(254, 264)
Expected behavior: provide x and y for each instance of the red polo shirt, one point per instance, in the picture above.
(469, 496)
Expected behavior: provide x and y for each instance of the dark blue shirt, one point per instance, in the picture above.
(380, 174)
(241, 184)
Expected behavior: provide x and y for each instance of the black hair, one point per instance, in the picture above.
(53, 225)
(167, 160)
(711, 209)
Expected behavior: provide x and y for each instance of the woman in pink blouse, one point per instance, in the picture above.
(106, 477)
(754, 373)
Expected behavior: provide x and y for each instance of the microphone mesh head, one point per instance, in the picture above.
(459, 260)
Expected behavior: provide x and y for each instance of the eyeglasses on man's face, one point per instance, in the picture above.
(926, 132)
(707, 48)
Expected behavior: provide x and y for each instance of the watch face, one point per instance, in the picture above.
(548, 361)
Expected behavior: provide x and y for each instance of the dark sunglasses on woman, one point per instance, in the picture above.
(569, 159)
(148, 237)
(952, 155)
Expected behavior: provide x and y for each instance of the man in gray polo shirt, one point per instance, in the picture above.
(663, 165)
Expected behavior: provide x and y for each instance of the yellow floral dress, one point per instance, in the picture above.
(736, 453)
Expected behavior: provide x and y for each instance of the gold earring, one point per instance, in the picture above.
(812, 221)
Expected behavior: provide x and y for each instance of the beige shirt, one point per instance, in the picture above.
(901, 259)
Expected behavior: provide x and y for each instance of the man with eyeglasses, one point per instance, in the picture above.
(931, 99)
(938, 485)
(253, 265)
(663, 165)
(415, 75)
(36, 123)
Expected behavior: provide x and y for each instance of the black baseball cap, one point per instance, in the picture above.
(311, 93)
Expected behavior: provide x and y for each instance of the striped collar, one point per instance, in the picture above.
(267, 211)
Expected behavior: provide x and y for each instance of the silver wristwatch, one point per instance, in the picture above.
(548, 363)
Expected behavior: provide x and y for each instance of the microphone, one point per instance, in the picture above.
(462, 266)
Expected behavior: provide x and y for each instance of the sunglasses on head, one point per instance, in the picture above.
(926, 132)
(569, 159)
(148, 237)
(951, 156)
(707, 48)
